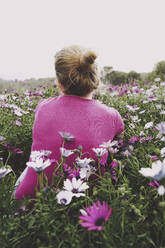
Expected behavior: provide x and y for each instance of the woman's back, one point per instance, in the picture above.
(88, 121)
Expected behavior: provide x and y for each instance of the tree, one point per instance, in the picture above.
(160, 69)
(118, 77)
(149, 77)
(133, 75)
(105, 73)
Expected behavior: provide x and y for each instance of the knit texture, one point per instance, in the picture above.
(89, 121)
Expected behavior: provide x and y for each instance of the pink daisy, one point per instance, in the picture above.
(95, 216)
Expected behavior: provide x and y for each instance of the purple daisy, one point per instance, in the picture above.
(95, 216)
(13, 149)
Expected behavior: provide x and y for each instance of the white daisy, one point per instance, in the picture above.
(132, 108)
(83, 162)
(65, 153)
(64, 197)
(76, 186)
(37, 154)
(148, 125)
(161, 127)
(66, 136)
(85, 172)
(39, 164)
(161, 190)
(157, 172)
(99, 151)
(4, 171)
(109, 144)
(162, 151)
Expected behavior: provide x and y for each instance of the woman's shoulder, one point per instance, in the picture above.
(45, 102)
(107, 109)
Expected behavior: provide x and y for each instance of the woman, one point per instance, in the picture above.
(90, 122)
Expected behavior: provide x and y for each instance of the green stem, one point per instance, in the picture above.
(41, 183)
(8, 158)
(99, 166)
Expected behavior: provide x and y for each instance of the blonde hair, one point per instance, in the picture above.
(76, 70)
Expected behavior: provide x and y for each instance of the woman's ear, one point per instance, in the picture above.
(60, 86)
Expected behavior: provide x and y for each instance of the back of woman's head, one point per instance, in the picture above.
(76, 70)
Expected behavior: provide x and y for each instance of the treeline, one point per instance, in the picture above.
(110, 76)
(26, 85)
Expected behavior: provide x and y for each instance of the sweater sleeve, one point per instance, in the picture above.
(39, 104)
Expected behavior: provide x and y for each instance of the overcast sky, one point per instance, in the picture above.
(126, 34)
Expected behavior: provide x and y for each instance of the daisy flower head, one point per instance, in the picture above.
(66, 136)
(132, 108)
(158, 106)
(76, 186)
(82, 163)
(154, 184)
(157, 172)
(142, 112)
(133, 139)
(162, 83)
(4, 171)
(95, 216)
(38, 154)
(162, 151)
(85, 172)
(148, 125)
(161, 190)
(135, 118)
(161, 127)
(65, 152)
(99, 151)
(2, 138)
(126, 153)
(109, 144)
(13, 149)
(157, 79)
(64, 197)
(39, 164)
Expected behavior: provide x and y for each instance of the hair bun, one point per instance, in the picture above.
(87, 59)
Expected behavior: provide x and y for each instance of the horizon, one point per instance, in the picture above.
(127, 35)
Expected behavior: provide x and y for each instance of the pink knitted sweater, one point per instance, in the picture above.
(89, 121)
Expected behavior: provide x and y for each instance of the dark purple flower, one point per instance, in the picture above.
(126, 153)
(115, 178)
(133, 139)
(104, 158)
(154, 157)
(95, 216)
(70, 173)
(154, 184)
(21, 209)
(113, 164)
(13, 149)
(126, 116)
(145, 139)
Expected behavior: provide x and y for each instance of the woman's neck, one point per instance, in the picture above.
(89, 96)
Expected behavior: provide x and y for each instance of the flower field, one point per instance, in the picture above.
(112, 203)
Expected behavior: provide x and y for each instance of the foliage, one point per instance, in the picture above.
(149, 77)
(133, 75)
(160, 69)
(109, 76)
